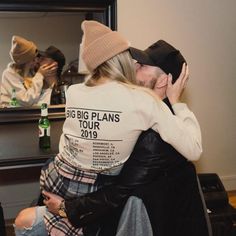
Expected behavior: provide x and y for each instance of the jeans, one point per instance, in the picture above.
(38, 227)
(134, 219)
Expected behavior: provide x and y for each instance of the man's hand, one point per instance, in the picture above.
(52, 202)
(174, 91)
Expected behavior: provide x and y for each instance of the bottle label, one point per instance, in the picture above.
(13, 102)
(44, 112)
(44, 132)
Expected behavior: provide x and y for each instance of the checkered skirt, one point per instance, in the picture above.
(60, 178)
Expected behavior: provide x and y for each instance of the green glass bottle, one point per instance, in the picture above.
(44, 128)
(13, 101)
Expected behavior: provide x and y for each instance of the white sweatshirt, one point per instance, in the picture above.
(25, 97)
(104, 122)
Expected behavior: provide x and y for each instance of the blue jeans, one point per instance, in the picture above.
(38, 227)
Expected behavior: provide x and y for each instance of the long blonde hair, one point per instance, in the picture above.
(20, 69)
(27, 75)
(119, 68)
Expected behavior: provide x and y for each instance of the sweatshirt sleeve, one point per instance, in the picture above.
(182, 130)
(25, 97)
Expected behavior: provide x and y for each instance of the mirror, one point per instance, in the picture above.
(46, 24)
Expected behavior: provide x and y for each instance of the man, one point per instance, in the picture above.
(53, 55)
(155, 172)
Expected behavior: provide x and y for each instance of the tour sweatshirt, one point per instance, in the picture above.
(104, 122)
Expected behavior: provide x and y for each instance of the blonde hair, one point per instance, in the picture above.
(26, 75)
(119, 68)
(19, 69)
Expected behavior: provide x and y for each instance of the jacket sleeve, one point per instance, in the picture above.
(140, 169)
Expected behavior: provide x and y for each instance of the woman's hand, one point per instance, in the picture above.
(48, 70)
(174, 91)
(52, 202)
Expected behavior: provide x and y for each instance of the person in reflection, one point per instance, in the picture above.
(21, 76)
(105, 116)
(53, 82)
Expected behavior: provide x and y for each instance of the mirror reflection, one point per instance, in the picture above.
(39, 56)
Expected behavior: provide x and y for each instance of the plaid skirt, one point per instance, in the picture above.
(57, 177)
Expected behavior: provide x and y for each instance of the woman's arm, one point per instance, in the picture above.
(25, 96)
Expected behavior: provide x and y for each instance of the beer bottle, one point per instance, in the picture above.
(13, 101)
(44, 128)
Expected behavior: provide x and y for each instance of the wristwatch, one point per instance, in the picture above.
(62, 209)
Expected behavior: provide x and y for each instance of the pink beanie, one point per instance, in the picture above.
(100, 44)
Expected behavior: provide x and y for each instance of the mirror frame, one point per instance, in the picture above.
(109, 7)
(26, 114)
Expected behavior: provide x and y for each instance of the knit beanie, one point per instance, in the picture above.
(162, 55)
(22, 50)
(100, 44)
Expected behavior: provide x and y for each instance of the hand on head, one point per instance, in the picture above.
(48, 69)
(174, 91)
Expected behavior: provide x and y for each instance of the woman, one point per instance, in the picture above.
(104, 117)
(21, 76)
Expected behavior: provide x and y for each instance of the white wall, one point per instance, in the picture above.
(205, 33)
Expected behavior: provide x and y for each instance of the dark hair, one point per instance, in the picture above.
(58, 56)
